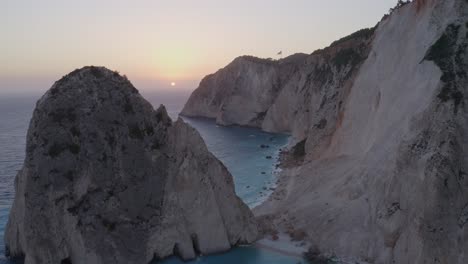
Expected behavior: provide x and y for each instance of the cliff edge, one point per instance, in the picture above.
(381, 160)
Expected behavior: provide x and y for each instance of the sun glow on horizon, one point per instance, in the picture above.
(156, 43)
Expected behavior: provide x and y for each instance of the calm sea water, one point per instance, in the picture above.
(248, 153)
(238, 148)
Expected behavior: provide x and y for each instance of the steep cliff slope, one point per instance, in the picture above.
(384, 172)
(242, 92)
(107, 179)
(283, 95)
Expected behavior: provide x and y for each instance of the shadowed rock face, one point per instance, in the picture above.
(107, 179)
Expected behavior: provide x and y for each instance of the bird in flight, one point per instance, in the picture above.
(280, 53)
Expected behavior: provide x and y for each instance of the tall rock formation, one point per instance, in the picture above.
(107, 179)
(384, 177)
(243, 91)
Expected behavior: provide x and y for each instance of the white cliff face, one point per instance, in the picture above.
(284, 95)
(314, 96)
(391, 177)
(242, 92)
(107, 179)
(384, 175)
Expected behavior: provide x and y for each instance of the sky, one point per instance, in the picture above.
(157, 42)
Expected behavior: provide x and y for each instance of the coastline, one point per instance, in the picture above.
(274, 238)
(271, 148)
(276, 171)
(283, 241)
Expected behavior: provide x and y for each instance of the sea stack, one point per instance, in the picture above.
(380, 170)
(107, 179)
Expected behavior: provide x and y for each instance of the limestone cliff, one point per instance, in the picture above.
(107, 179)
(283, 95)
(243, 91)
(384, 172)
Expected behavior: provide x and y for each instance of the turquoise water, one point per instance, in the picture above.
(238, 148)
(242, 255)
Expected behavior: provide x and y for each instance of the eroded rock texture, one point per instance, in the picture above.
(107, 179)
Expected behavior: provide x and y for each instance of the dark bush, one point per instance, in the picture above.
(365, 33)
(56, 149)
(259, 60)
(96, 72)
(444, 47)
(149, 130)
(128, 108)
(346, 57)
(66, 261)
(109, 225)
(321, 124)
(313, 255)
(74, 148)
(135, 132)
(75, 131)
(399, 5)
(299, 149)
(449, 57)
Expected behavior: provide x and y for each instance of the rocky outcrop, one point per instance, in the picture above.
(283, 95)
(107, 179)
(383, 177)
(243, 91)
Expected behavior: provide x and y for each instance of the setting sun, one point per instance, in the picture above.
(173, 83)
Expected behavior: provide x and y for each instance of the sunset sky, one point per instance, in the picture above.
(164, 44)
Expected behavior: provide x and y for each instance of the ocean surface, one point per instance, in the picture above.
(249, 154)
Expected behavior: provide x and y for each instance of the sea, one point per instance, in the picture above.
(249, 154)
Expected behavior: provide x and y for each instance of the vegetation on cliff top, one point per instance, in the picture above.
(365, 33)
(399, 5)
